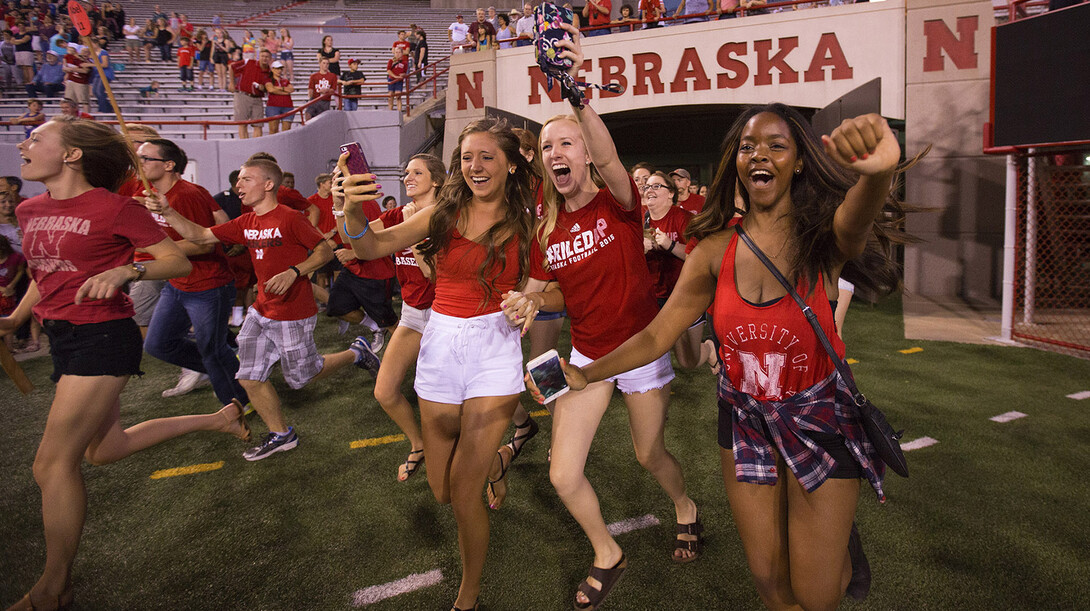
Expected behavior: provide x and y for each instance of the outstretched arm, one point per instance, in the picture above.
(197, 234)
(370, 241)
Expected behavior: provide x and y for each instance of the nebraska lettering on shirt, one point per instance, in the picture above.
(263, 238)
(762, 374)
(405, 257)
(581, 246)
(66, 224)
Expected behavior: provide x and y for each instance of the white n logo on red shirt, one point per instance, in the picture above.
(767, 380)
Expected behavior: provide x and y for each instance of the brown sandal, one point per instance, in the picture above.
(607, 578)
(245, 435)
(696, 546)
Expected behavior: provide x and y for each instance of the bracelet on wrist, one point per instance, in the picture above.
(358, 235)
(296, 270)
(673, 243)
(338, 213)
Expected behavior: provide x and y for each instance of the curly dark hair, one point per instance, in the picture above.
(816, 193)
(517, 223)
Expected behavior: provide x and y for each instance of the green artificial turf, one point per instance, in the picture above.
(993, 517)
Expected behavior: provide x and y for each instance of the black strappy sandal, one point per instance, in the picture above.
(495, 500)
(475, 607)
(607, 577)
(520, 438)
(410, 465)
(696, 546)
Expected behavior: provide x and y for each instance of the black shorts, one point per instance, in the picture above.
(833, 444)
(111, 348)
(350, 292)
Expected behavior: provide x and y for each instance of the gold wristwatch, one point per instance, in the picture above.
(139, 269)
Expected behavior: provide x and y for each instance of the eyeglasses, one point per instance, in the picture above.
(652, 186)
(146, 159)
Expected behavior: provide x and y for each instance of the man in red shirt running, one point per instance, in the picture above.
(280, 324)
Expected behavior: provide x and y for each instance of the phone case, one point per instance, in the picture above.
(547, 21)
(357, 161)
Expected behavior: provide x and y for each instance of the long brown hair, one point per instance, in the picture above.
(455, 196)
(816, 192)
(435, 168)
(107, 159)
(551, 199)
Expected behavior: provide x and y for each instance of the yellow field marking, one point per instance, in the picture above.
(376, 441)
(851, 361)
(539, 413)
(912, 350)
(191, 469)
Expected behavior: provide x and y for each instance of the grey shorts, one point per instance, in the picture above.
(79, 92)
(145, 295)
(24, 58)
(248, 107)
(264, 341)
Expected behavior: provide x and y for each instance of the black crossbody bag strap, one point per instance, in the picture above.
(811, 317)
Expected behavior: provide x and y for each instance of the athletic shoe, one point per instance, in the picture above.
(188, 382)
(237, 317)
(273, 443)
(249, 409)
(365, 356)
(342, 327)
(378, 340)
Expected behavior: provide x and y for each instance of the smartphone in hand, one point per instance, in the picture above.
(357, 161)
(548, 376)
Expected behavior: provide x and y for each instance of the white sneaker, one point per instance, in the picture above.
(187, 382)
(342, 327)
(236, 317)
(378, 340)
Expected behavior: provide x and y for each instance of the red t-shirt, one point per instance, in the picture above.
(404, 45)
(663, 266)
(398, 67)
(694, 204)
(79, 62)
(283, 100)
(131, 187)
(251, 78)
(771, 352)
(457, 291)
(416, 289)
(67, 241)
(276, 240)
(321, 83)
(326, 222)
(597, 18)
(196, 204)
(292, 199)
(185, 56)
(375, 269)
(596, 254)
(10, 268)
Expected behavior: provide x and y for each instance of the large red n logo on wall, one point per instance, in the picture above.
(473, 91)
(961, 49)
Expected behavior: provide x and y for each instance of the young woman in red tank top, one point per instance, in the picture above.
(79, 240)
(469, 372)
(791, 444)
(592, 238)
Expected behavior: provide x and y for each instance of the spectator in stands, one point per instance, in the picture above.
(251, 77)
(59, 41)
(102, 37)
(351, 82)
(24, 49)
(753, 7)
(458, 34)
(328, 51)
(627, 19)
(185, 63)
(695, 7)
(151, 91)
(77, 68)
(132, 39)
(148, 35)
(279, 89)
(271, 42)
(396, 69)
(575, 15)
(287, 52)
(493, 18)
(220, 58)
(11, 74)
(421, 57)
(321, 85)
(49, 80)
(204, 60)
(164, 39)
(651, 11)
(33, 117)
(70, 108)
(505, 33)
(158, 14)
(97, 86)
(413, 38)
(597, 12)
(184, 27)
(481, 32)
(46, 30)
(403, 43)
(217, 19)
(686, 199)
(524, 27)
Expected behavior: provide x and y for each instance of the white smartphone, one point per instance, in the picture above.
(547, 375)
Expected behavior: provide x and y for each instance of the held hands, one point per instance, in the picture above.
(280, 283)
(520, 309)
(104, 285)
(865, 145)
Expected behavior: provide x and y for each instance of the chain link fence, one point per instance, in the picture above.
(1052, 253)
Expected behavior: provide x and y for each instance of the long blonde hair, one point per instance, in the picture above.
(551, 199)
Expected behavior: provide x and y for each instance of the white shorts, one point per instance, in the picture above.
(463, 358)
(656, 374)
(264, 341)
(414, 318)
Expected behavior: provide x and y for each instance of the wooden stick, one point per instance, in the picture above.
(14, 371)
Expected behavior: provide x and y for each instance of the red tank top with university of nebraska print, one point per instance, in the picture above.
(770, 352)
(416, 289)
